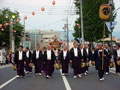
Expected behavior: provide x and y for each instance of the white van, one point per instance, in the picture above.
(2, 57)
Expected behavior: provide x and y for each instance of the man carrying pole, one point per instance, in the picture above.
(100, 57)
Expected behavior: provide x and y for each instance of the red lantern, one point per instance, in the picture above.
(25, 17)
(14, 31)
(18, 20)
(2, 29)
(0, 25)
(43, 9)
(52, 46)
(11, 22)
(78, 24)
(33, 13)
(6, 24)
(53, 3)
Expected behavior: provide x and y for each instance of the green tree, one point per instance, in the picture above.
(93, 25)
(5, 16)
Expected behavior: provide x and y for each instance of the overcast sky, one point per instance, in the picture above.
(117, 27)
(54, 17)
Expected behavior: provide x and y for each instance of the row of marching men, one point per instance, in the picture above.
(76, 56)
(26, 59)
(100, 57)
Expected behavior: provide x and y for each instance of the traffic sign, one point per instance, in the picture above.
(110, 25)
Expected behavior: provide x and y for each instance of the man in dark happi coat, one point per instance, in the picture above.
(19, 60)
(43, 64)
(98, 54)
(64, 59)
(93, 56)
(28, 61)
(75, 57)
(116, 58)
(37, 59)
(88, 56)
(49, 59)
(83, 58)
(108, 59)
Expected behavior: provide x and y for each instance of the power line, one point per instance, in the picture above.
(55, 22)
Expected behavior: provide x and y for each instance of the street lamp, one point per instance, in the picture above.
(13, 16)
(6, 16)
(12, 40)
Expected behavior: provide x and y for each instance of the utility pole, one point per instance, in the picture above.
(35, 41)
(81, 15)
(111, 15)
(79, 34)
(10, 34)
(12, 39)
(39, 39)
(67, 34)
(24, 36)
(29, 44)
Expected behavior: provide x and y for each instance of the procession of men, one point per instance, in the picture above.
(80, 58)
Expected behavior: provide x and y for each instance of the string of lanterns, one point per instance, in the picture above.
(43, 8)
(6, 24)
(25, 18)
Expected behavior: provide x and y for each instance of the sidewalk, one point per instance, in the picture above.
(5, 66)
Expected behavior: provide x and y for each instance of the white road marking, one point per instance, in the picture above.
(6, 83)
(67, 86)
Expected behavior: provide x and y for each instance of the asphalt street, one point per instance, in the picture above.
(58, 82)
